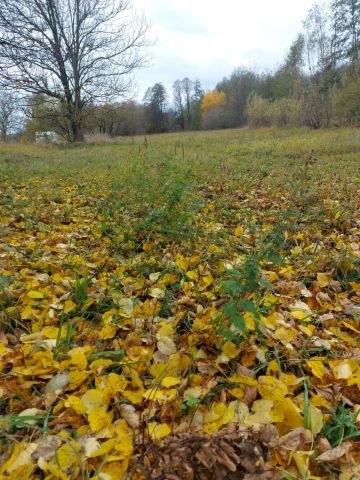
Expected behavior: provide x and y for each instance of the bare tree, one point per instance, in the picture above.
(178, 103)
(187, 86)
(8, 113)
(320, 63)
(77, 52)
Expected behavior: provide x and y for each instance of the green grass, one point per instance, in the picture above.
(162, 192)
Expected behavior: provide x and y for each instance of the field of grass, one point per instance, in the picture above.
(154, 292)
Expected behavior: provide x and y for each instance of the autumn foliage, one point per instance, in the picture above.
(212, 100)
(185, 307)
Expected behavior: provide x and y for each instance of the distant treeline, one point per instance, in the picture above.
(317, 85)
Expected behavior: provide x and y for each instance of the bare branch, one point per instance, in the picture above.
(75, 51)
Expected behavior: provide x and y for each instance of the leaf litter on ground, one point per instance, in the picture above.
(181, 318)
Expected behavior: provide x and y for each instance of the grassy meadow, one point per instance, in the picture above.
(188, 284)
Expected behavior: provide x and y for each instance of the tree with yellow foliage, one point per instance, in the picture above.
(213, 100)
(213, 110)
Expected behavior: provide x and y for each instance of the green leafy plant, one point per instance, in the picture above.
(81, 290)
(342, 426)
(243, 287)
(190, 404)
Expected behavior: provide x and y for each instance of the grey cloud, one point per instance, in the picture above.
(168, 69)
(176, 20)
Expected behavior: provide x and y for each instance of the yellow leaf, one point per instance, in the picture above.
(219, 415)
(350, 327)
(3, 349)
(35, 295)
(91, 447)
(316, 420)
(308, 330)
(87, 304)
(270, 300)
(135, 391)
(355, 286)
(317, 367)
(168, 382)
(300, 315)
(237, 392)
(135, 396)
(344, 369)
(286, 336)
(271, 388)
(192, 274)
(76, 404)
(323, 280)
(350, 473)
(302, 462)
(319, 401)
(76, 378)
(277, 413)
(126, 307)
(165, 330)
(242, 380)
(301, 311)
(195, 392)
(239, 231)
(182, 263)
(139, 353)
(230, 350)
(148, 246)
(69, 306)
(159, 395)
(291, 413)
(157, 293)
(67, 456)
(107, 332)
(52, 332)
(108, 316)
(114, 470)
(157, 431)
(54, 470)
(78, 358)
(21, 455)
(296, 252)
(93, 399)
(99, 419)
(28, 313)
(249, 321)
(205, 282)
(124, 443)
(261, 413)
(270, 321)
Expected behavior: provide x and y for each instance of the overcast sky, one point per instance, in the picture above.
(207, 39)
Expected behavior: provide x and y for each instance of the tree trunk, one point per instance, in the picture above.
(76, 126)
(3, 132)
(76, 134)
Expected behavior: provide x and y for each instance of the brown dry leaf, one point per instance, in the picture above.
(335, 453)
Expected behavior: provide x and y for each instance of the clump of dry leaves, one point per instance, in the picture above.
(241, 454)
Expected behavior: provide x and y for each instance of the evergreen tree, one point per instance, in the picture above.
(198, 95)
(346, 25)
(155, 102)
